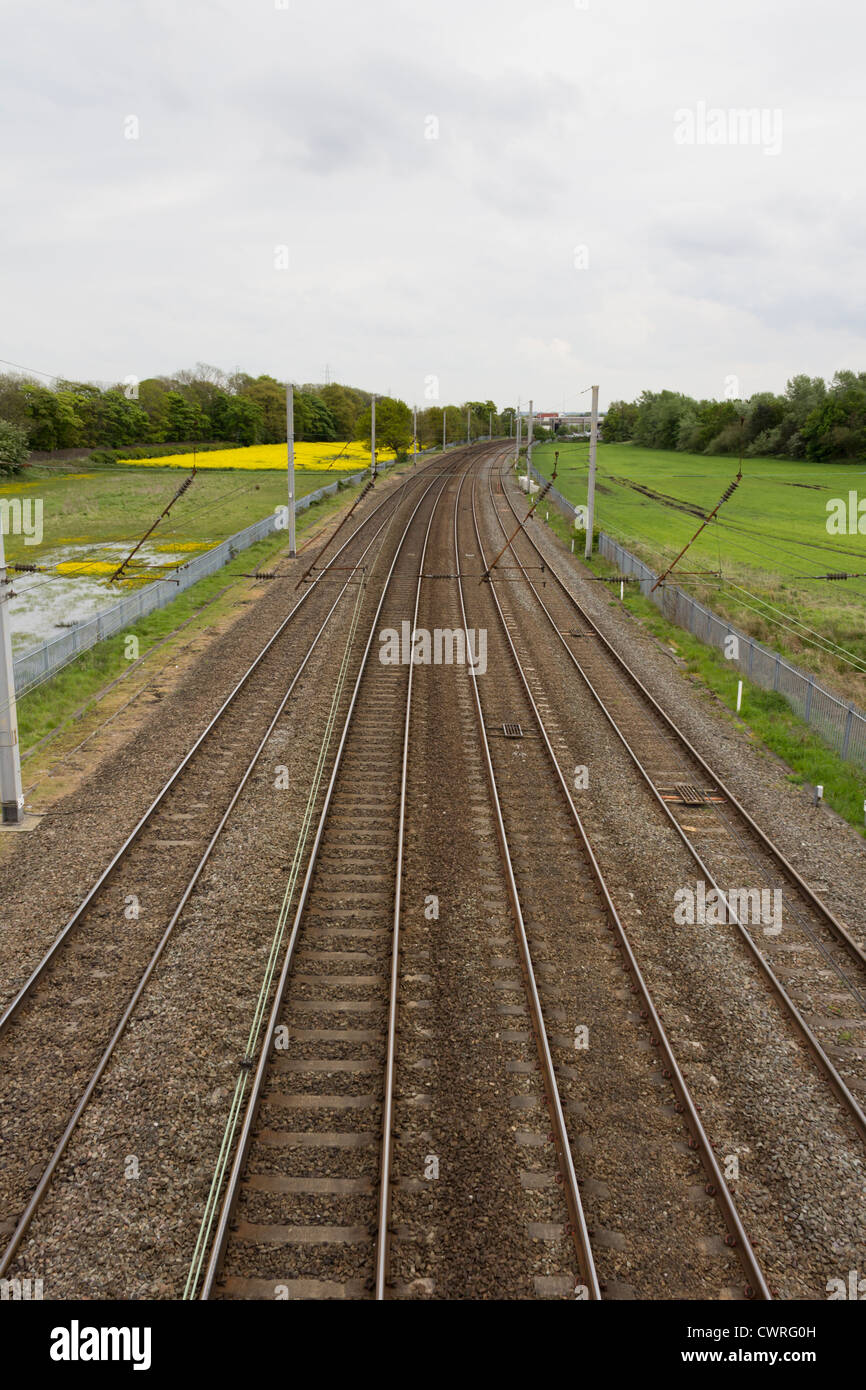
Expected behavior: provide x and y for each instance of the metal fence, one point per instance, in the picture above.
(566, 507)
(841, 724)
(36, 665)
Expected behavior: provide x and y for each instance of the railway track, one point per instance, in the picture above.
(296, 1218)
(308, 1210)
(811, 962)
(626, 1098)
(58, 1033)
(477, 1101)
(795, 1186)
(499, 1215)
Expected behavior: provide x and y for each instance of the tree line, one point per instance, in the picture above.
(207, 406)
(809, 420)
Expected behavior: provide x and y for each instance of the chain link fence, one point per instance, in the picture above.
(840, 723)
(38, 664)
(555, 496)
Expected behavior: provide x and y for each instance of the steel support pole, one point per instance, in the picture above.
(290, 449)
(11, 793)
(373, 438)
(590, 496)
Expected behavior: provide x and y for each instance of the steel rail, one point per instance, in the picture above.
(577, 1218)
(819, 906)
(12, 1008)
(849, 1102)
(230, 1194)
(383, 1238)
(85, 1097)
(737, 1235)
(678, 743)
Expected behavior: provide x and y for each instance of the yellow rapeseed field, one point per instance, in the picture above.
(308, 457)
(83, 567)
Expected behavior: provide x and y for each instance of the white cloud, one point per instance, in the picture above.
(306, 127)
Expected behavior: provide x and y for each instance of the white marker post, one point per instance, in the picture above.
(11, 792)
(290, 448)
(373, 438)
(739, 695)
(590, 499)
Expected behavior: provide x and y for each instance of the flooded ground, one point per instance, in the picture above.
(79, 586)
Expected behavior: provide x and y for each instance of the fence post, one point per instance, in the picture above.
(848, 725)
(776, 669)
(810, 686)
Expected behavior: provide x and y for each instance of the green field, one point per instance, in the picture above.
(56, 704)
(92, 519)
(766, 717)
(91, 507)
(755, 564)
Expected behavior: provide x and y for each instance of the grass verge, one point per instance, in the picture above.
(758, 564)
(50, 705)
(766, 717)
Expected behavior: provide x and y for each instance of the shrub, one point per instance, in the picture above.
(14, 452)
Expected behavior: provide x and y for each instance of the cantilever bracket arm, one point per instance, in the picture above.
(706, 521)
(485, 578)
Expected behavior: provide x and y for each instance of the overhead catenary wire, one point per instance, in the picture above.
(49, 376)
(768, 541)
(723, 583)
(75, 655)
(793, 626)
(677, 503)
(96, 549)
(790, 617)
(257, 1022)
(850, 659)
(729, 491)
(181, 490)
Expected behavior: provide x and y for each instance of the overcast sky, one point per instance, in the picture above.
(569, 223)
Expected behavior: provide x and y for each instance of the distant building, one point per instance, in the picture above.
(564, 422)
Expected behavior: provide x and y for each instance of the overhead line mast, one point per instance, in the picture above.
(11, 790)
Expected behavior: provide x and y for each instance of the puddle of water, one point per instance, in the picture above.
(45, 604)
